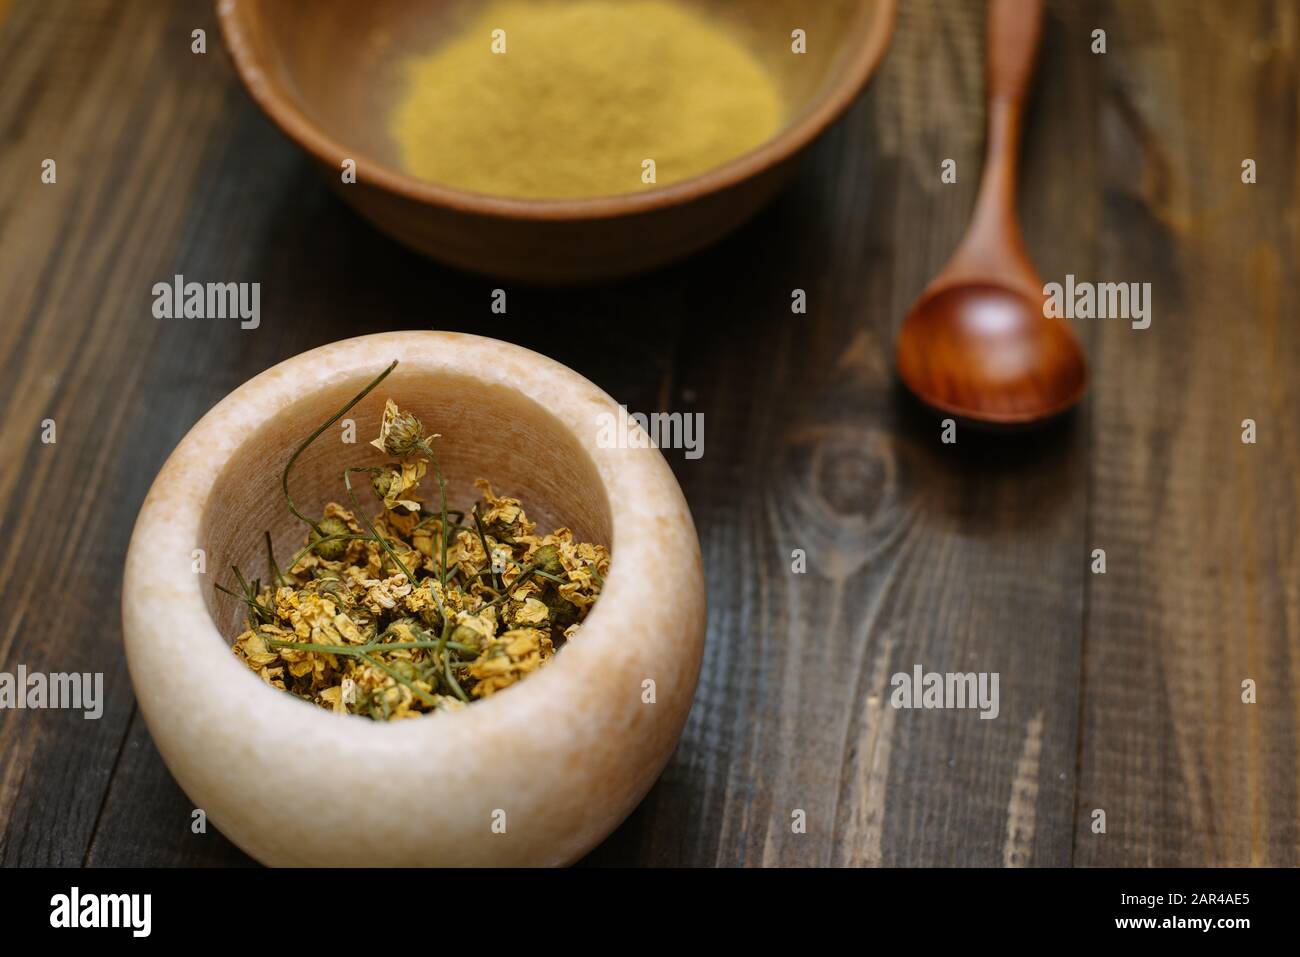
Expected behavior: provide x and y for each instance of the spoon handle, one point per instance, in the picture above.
(1015, 27)
(993, 247)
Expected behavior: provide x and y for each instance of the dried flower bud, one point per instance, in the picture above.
(382, 482)
(399, 432)
(547, 559)
(563, 612)
(331, 586)
(465, 635)
(331, 551)
(405, 435)
(404, 668)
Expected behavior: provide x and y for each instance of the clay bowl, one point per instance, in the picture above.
(326, 73)
(564, 755)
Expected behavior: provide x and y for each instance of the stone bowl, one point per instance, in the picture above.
(537, 774)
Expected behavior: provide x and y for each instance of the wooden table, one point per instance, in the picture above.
(1120, 692)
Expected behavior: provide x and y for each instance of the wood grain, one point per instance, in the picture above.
(1202, 589)
(1119, 692)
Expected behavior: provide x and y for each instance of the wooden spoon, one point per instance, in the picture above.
(976, 343)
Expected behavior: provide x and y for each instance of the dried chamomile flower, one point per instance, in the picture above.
(428, 601)
(394, 482)
(251, 647)
(386, 594)
(529, 612)
(547, 559)
(503, 518)
(561, 610)
(509, 658)
(474, 631)
(467, 551)
(330, 547)
(400, 433)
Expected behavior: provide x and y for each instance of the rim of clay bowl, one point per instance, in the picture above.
(875, 24)
(189, 683)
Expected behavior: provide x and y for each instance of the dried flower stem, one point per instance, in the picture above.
(284, 476)
(424, 447)
(451, 679)
(370, 646)
(400, 679)
(487, 552)
(276, 574)
(527, 573)
(374, 533)
(302, 552)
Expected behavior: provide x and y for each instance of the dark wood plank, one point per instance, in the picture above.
(148, 821)
(1203, 583)
(81, 87)
(957, 559)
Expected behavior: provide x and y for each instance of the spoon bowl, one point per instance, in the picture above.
(985, 352)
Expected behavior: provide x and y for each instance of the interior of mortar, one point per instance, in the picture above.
(487, 431)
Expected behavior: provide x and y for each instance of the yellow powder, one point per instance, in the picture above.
(585, 92)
